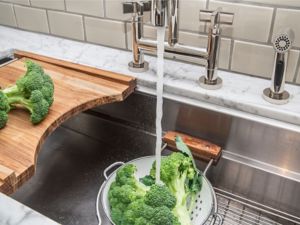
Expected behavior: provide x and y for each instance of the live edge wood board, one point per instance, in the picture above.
(77, 88)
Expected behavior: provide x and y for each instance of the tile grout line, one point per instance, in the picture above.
(104, 8)
(297, 70)
(65, 5)
(15, 15)
(48, 22)
(84, 29)
(126, 35)
(272, 26)
(231, 53)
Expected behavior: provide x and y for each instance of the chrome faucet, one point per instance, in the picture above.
(165, 12)
(282, 43)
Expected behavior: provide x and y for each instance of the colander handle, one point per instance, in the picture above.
(201, 149)
(110, 167)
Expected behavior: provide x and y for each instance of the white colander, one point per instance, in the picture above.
(205, 203)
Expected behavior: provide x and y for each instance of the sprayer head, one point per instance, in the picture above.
(283, 41)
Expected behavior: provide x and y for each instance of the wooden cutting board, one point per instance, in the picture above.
(77, 88)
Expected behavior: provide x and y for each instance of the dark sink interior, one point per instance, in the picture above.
(71, 162)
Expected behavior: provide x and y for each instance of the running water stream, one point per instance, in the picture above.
(159, 98)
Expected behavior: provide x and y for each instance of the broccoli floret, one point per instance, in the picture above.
(159, 196)
(4, 109)
(181, 178)
(147, 180)
(125, 190)
(4, 105)
(163, 216)
(33, 91)
(36, 105)
(34, 79)
(3, 118)
(139, 213)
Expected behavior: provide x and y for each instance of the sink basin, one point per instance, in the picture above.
(259, 167)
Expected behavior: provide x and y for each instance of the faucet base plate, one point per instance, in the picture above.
(217, 84)
(274, 98)
(138, 68)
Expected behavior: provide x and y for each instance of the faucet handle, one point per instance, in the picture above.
(211, 15)
(136, 7)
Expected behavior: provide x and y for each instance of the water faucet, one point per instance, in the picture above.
(282, 43)
(165, 13)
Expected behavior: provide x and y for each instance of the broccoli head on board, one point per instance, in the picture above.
(33, 91)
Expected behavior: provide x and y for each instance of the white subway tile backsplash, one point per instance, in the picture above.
(7, 15)
(259, 60)
(101, 21)
(49, 4)
(114, 10)
(149, 32)
(88, 7)
(298, 77)
(105, 32)
(250, 22)
(66, 25)
(32, 19)
(288, 18)
(275, 2)
(189, 15)
(22, 2)
(200, 41)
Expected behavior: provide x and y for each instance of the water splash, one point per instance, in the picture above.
(159, 98)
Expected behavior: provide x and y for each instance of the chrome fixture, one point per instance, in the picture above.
(165, 12)
(282, 43)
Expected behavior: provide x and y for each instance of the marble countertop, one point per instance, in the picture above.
(240, 95)
(13, 212)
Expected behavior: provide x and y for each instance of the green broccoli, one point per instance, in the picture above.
(3, 119)
(36, 105)
(163, 216)
(4, 109)
(125, 190)
(159, 196)
(183, 181)
(133, 203)
(143, 202)
(147, 180)
(33, 91)
(139, 213)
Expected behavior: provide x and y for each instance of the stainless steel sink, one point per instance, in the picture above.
(257, 180)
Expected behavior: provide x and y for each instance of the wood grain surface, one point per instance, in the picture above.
(200, 149)
(77, 88)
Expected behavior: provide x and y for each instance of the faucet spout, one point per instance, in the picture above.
(159, 12)
(173, 33)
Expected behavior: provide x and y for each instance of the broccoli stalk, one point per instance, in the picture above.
(180, 176)
(33, 91)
